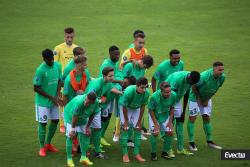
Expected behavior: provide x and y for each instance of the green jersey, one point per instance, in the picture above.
(99, 86)
(68, 89)
(132, 99)
(207, 86)
(109, 63)
(161, 106)
(76, 108)
(179, 84)
(47, 77)
(165, 69)
(133, 70)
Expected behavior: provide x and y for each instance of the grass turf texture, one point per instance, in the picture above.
(204, 31)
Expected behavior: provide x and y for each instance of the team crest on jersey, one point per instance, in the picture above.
(125, 58)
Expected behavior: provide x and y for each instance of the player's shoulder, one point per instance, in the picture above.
(57, 65)
(41, 68)
(181, 63)
(173, 94)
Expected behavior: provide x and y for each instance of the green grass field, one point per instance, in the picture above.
(204, 31)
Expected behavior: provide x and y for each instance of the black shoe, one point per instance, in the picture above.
(211, 144)
(101, 156)
(192, 146)
(153, 157)
(166, 156)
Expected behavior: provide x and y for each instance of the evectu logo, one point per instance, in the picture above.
(235, 154)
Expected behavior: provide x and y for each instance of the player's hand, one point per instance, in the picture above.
(87, 131)
(60, 101)
(169, 128)
(125, 125)
(72, 134)
(156, 130)
(79, 92)
(138, 126)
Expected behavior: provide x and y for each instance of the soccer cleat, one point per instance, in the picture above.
(101, 156)
(211, 144)
(102, 151)
(165, 155)
(51, 148)
(184, 152)
(85, 161)
(70, 163)
(42, 152)
(104, 142)
(125, 158)
(154, 157)
(62, 129)
(143, 137)
(116, 138)
(130, 144)
(171, 153)
(139, 158)
(192, 146)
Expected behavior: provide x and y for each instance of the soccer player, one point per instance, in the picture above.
(200, 102)
(78, 115)
(167, 67)
(137, 52)
(180, 83)
(137, 69)
(77, 80)
(63, 54)
(132, 45)
(101, 86)
(133, 103)
(47, 83)
(161, 115)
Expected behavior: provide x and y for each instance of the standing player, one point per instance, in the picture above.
(133, 104)
(47, 87)
(166, 68)
(181, 82)
(101, 86)
(161, 115)
(132, 45)
(78, 115)
(200, 102)
(63, 54)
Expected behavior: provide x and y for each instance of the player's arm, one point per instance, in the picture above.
(153, 82)
(116, 91)
(197, 93)
(125, 114)
(170, 122)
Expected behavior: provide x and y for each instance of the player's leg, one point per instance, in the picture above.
(206, 113)
(105, 119)
(153, 140)
(61, 118)
(193, 111)
(42, 118)
(137, 134)
(117, 122)
(70, 162)
(54, 116)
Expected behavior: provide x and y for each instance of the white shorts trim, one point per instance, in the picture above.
(178, 109)
(96, 123)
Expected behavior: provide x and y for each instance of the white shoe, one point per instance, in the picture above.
(143, 137)
(116, 138)
(192, 146)
(211, 144)
(131, 144)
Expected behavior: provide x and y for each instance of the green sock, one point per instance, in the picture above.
(123, 141)
(105, 125)
(208, 130)
(41, 134)
(137, 141)
(190, 128)
(69, 148)
(84, 141)
(130, 132)
(153, 142)
(96, 134)
(167, 143)
(179, 133)
(52, 131)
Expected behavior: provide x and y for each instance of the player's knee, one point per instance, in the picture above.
(205, 118)
(192, 119)
(179, 119)
(55, 121)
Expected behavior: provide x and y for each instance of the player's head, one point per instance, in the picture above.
(129, 81)
(114, 53)
(79, 51)
(141, 85)
(91, 98)
(146, 62)
(81, 62)
(69, 35)
(193, 77)
(138, 32)
(108, 74)
(174, 57)
(48, 57)
(139, 41)
(218, 68)
(165, 89)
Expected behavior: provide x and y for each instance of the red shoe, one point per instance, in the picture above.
(139, 158)
(51, 148)
(62, 129)
(42, 152)
(125, 158)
